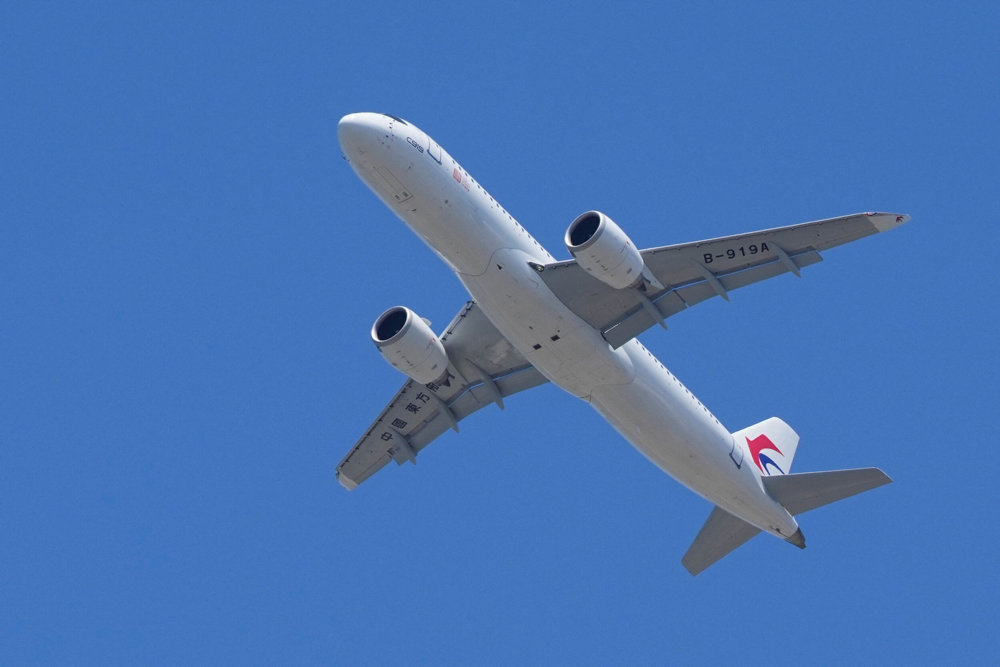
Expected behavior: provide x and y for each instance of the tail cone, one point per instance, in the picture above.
(798, 539)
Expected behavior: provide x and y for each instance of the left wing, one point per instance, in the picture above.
(483, 368)
(694, 272)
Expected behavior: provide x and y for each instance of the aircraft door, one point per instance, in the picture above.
(434, 150)
(737, 453)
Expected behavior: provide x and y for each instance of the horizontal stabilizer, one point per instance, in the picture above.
(722, 533)
(798, 493)
(801, 492)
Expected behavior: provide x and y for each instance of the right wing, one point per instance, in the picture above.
(694, 272)
(483, 368)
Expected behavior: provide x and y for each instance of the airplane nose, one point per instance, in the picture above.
(359, 132)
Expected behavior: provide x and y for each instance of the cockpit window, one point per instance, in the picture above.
(396, 118)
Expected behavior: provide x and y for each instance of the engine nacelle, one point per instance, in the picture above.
(604, 251)
(408, 343)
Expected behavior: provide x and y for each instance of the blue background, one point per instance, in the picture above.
(189, 269)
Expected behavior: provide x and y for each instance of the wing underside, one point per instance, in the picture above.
(484, 368)
(694, 272)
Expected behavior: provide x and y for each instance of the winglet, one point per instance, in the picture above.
(346, 482)
(883, 222)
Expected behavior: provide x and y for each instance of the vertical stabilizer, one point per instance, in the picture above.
(770, 446)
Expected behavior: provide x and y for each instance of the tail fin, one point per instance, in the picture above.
(771, 445)
(798, 493)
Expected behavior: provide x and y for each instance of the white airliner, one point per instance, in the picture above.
(534, 319)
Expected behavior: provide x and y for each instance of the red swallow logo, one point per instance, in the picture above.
(757, 447)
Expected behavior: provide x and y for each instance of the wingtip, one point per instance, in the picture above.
(693, 569)
(346, 482)
(885, 221)
(885, 478)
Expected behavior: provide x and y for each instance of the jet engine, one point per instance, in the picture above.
(407, 342)
(604, 251)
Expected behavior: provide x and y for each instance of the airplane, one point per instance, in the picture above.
(533, 319)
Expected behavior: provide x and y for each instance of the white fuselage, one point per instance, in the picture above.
(490, 253)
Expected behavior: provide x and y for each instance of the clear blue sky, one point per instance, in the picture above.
(188, 273)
